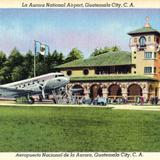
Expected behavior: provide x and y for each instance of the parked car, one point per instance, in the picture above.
(102, 101)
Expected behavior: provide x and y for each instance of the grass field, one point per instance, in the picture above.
(78, 129)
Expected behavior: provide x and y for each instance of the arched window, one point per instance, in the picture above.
(142, 41)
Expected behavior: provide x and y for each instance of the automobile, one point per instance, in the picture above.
(102, 101)
(87, 101)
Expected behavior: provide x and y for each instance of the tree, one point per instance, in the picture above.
(15, 58)
(5, 74)
(53, 60)
(28, 65)
(100, 51)
(115, 48)
(17, 73)
(41, 68)
(97, 51)
(60, 59)
(74, 55)
(2, 59)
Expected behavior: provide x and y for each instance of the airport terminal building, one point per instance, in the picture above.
(120, 74)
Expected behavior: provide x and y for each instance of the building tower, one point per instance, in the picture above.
(144, 46)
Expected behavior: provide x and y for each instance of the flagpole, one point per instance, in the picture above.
(34, 58)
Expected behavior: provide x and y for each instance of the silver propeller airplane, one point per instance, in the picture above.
(37, 85)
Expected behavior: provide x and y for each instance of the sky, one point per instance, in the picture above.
(64, 29)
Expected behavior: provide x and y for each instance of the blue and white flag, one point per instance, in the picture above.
(42, 49)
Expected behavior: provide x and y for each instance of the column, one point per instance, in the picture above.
(105, 92)
(158, 92)
(124, 92)
(87, 92)
(145, 94)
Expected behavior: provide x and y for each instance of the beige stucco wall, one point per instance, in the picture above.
(138, 59)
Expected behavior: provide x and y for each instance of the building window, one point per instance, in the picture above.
(142, 41)
(154, 69)
(85, 71)
(135, 52)
(134, 72)
(134, 57)
(135, 40)
(155, 55)
(147, 70)
(148, 55)
(69, 72)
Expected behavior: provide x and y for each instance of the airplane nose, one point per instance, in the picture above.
(64, 80)
(57, 82)
(67, 79)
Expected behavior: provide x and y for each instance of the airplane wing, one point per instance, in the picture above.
(13, 92)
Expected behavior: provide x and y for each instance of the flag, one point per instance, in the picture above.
(42, 49)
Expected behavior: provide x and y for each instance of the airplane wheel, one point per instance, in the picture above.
(31, 100)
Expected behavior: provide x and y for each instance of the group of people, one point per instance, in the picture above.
(138, 100)
(99, 100)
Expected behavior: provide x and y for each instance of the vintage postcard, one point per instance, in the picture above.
(79, 79)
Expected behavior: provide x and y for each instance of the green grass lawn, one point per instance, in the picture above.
(78, 129)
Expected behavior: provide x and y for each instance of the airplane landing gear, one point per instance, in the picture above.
(31, 100)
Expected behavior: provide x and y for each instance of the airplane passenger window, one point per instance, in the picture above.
(61, 75)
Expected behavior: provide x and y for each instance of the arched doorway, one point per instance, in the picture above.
(77, 90)
(95, 91)
(134, 90)
(114, 90)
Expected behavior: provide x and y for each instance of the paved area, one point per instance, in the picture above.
(112, 106)
(136, 107)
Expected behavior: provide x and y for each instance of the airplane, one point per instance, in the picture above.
(38, 85)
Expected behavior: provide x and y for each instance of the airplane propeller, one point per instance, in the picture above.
(43, 93)
(42, 88)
